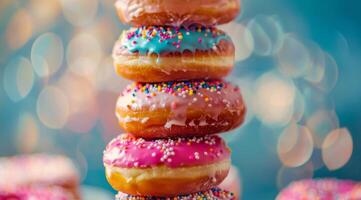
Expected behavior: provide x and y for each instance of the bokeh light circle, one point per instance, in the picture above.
(316, 71)
(295, 145)
(80, 12)
(43, 12)
(27, 137)
(337, 148)
(330, 77)
(19, 29)
(299, 106)
(286, 175)
(47, 54)
(18, 78)
(84, 54)
(52, 107)
(293, 57)
(242, 38)
(83, 110)
(267, 33)
(320, 123)
(274, 99)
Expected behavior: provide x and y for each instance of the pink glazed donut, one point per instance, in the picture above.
(166, 167)
(36, 193)
(322, 189)
(180, 109)
(214, 193)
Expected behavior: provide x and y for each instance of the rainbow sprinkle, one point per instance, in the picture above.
(188, 88)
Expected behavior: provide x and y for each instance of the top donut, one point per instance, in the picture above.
(177, 12)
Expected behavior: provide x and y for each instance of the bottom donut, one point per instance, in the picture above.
(212, 194)
(166, 167)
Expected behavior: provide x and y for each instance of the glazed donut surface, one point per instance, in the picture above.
(177, 12)
(180, 109)
(214, 193)
(155, 54)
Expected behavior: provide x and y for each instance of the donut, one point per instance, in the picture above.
(177, 12)
(232, 182)
(180, 109)
(36, 193)
(165, 167)
(214, 194)
(39, 169)
(156, 54)
(322, 189)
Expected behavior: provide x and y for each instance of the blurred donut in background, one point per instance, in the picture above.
(36, 193)
(321, 189)
(39, 170)
(232, 183)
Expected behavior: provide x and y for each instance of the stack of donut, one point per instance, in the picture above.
(178, 102)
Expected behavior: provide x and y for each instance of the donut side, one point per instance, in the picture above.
(164, 181)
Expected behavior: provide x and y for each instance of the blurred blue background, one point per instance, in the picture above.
(297, 66)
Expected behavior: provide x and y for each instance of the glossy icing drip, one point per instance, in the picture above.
(127, 151)
(149, 40)
(212, 194)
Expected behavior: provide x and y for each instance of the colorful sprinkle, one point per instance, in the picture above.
(181, 88)
(212, 194)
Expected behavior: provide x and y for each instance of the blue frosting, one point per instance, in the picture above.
(148, 40)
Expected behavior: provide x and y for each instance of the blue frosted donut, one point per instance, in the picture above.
(154, 54)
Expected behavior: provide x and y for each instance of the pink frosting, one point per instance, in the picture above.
(128, 152)
(323, 189)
